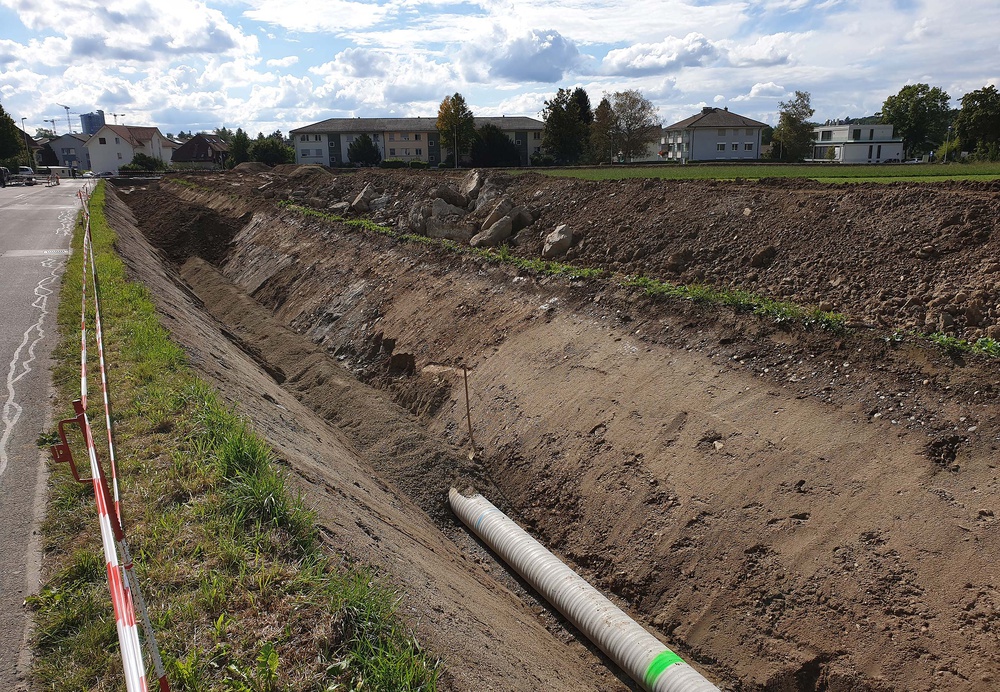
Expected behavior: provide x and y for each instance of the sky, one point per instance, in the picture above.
(280, 64)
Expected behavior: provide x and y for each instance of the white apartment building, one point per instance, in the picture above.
(715, 134)
(856, 144)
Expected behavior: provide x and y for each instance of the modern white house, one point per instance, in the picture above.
(71, 151)
(715, 134)
(406, 139)
(854, 143)
(113, 146)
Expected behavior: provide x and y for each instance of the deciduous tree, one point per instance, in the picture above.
(239, 148)
(978, 123)
(636, 124)
(456, 125)
(919, 114)
(271, 150)
(11, 139)
(792, 139)
(363, 150)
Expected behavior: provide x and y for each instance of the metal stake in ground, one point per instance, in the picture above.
(468, 412)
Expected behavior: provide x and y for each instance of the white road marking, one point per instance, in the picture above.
(61, 252)
(18, 369)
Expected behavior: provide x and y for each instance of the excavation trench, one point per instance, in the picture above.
(723, 480)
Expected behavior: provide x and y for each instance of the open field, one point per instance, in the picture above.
(883, 173)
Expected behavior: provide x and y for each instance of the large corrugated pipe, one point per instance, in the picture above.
(636, 651)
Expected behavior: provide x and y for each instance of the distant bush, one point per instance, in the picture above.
(393, 163)
(539, 159)
(417, 163)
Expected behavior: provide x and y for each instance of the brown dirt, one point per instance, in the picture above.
(790, 509)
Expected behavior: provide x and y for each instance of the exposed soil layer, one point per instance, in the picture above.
(790, 509)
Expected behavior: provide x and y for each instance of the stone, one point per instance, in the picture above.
(764, 256)
(471, 184)
(494, 235)
(417, 219)
(440, 209)
(362, 203)
(557, 242)
(488, 194)
(993, 332)
(449, 195)
(501, 210)
(826, 306)
(520, 218)
(450, 228)
(339, 207)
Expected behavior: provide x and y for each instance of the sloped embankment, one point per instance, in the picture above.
(792, 510)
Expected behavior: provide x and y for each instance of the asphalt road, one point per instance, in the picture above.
(35, 228)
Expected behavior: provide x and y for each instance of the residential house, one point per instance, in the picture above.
(202, 151)
(856, 144)
(407, 139)
(715, 134)
(114, 146)
(71, 151)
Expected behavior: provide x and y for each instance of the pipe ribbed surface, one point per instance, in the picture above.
(627, 643)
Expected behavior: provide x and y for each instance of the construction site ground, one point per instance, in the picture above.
(789, 508)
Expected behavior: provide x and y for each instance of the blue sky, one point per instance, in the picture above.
(280, 64)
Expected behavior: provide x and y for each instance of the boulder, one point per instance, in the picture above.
(339, 207)
(494, 235)
(440, 209)
(450, 228)
(449, 195)
(557, 242)
(520, 218)
(363, 202)
(764, 256)
(417, 220)
(472, 184)
(488, 194)
(501, 210)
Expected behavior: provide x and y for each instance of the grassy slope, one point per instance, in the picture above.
(830, 173)
(242, 594)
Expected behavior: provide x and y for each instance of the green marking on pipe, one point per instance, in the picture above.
(664, 660)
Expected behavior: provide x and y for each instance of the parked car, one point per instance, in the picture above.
(25, 170)
(4, 174)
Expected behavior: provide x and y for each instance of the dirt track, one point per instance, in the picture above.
(789, 509)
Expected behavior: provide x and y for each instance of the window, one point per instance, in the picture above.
(392, 137)
(538, 150)
(748, 146)
(119, 156)
(405, 138)
(826, 136)
(517, 142)
(871, 134)
(856, 134)
(722, 132)
(406, 152)
(736, 146)
(721, 146)
(430, 142)
(869, 151)
(317, 152)
(878, 153)
(117, 141)
(420, 152)
(317, 138)
(303, 138)
(392, 152)
(416, 137)
(101, 140)
(431, 157)
(536, 135)
(305, 153)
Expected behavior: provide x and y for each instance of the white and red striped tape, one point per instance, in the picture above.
(126, 595)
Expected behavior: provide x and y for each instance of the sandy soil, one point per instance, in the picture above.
(789, 509)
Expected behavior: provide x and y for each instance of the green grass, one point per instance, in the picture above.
(830, 173)
(242, 594)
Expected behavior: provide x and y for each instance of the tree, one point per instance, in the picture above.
(224, 133)
(45, 133)
(363, 150)
(636, 124)
(978, 123)
(239, 148)
(766, 133)
(493, 148)
(456, 125)
(183, 136)
(920, 115)
(792, 139)
(270, 150)
(11, 141)
(583, 102)
(602, 132)
(565, 134)
(144, 162)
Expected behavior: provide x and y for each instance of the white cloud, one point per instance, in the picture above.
(766, 51)
(669, 55)
(283, 62)
(312, 16)
(762, 90)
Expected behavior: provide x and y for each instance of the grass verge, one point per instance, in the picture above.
(242, 594)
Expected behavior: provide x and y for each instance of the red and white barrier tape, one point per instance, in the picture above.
(126, 596)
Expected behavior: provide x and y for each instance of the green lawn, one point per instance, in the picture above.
(827, 173)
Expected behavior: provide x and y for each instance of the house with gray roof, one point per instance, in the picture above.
(406, 139)
(715, 134)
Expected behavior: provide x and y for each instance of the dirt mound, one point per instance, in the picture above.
(791, 509)
(251, 167)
